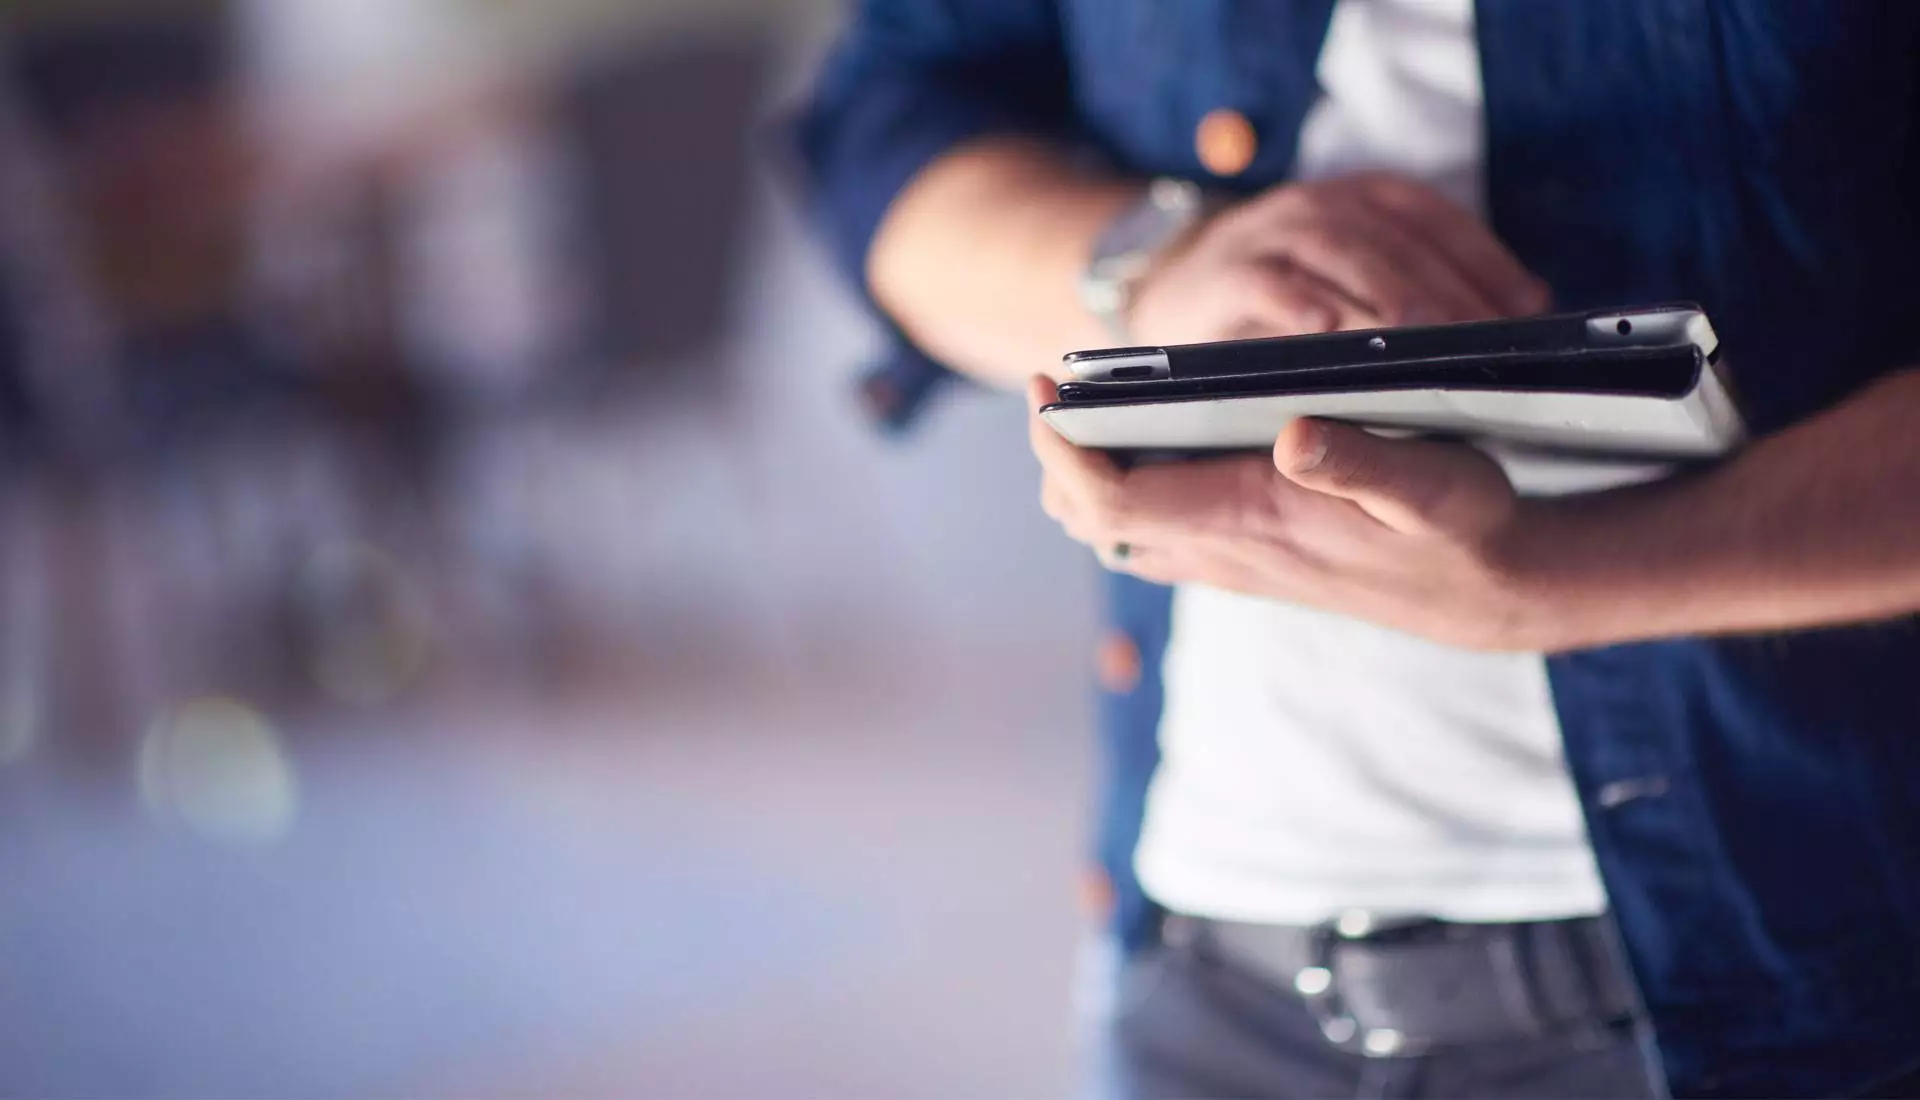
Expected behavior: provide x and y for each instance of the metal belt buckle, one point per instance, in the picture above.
(1319, 985)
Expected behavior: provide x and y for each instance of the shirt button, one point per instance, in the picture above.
(1119, 664)
(1096, 895)
(1226, 142)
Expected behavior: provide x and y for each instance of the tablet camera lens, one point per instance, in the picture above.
(1624, 328)
(1378, 343)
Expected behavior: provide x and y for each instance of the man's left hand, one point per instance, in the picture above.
(1418, 536)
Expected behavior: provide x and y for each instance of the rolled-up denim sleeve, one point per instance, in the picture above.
(907, 81)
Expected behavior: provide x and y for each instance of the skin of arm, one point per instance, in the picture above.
(978, 260)
(1818, 525)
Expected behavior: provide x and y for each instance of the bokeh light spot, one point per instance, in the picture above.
(218, 766)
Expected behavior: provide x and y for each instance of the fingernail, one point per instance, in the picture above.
(1312, 448)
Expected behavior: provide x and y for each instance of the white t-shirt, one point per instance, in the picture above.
(1311, 763)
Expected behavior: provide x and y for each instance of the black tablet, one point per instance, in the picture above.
(1632, 383)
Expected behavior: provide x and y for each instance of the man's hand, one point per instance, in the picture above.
(1411, 535)
(978, 261)
(1359, 251)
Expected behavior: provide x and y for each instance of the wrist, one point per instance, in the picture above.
(1147, 318)
(1536, 559)
(975, 260)
(1133, 246)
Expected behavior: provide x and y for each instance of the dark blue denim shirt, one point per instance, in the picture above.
(1754, 802)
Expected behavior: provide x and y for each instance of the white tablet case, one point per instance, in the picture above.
(1702, 424)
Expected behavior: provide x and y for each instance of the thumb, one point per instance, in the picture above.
(1041, 392)
(1413, 486)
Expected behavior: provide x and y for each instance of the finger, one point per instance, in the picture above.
(1167, 505)
(1313, 229)
(1216, 566)
(1364, 263)
(1446, 292)
(1046, 443)
(1464, 239)
(1412, 486)
(1079, 484)
(1041, 392)
(1073, 466)
(1281, 299)
(1052, 501)
(1139, 561)
(1155, 568)
(1278, 297)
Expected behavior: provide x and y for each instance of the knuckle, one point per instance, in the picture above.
(1251, 499)
(1050, 501)
(1294, 201)
(1228, 222)
(1387, 186)
(1267, 285)
(1110, 503)
(1354, 470)
(1323, 236)
(1411, 197)
(1426, 497)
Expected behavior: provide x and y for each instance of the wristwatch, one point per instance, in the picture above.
(1130, 244)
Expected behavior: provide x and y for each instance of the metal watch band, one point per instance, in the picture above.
(1128, 247)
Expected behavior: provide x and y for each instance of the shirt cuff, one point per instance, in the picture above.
(861, 141)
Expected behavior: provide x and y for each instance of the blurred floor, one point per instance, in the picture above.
(811, 828)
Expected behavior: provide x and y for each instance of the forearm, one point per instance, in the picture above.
(1816, 526)
(978, 259)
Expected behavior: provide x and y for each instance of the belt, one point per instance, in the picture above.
(1397, 988)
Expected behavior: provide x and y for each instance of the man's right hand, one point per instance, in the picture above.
(1361, 251)
(979, 261)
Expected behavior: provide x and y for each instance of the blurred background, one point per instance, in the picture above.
(458, 633)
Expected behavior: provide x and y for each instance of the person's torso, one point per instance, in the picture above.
(1749, 800)
(1315, 764)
